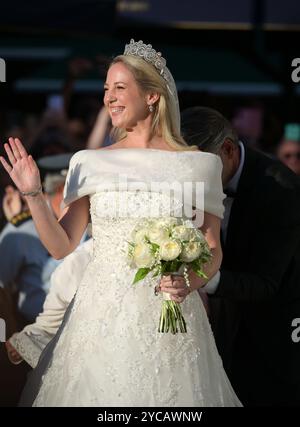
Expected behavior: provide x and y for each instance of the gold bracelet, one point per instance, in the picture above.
(32, 193)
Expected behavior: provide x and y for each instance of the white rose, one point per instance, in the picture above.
(142, 255)
(140, 235)
(181, 232)
(166, 222)
(191, 251)
(158, 235)
(169, 250)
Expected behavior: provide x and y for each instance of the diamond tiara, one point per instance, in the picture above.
(146, 52)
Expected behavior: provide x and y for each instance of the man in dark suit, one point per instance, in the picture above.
(255, 298)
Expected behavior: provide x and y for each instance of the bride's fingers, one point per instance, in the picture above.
(21, 148)
(182, 291)
(15, 149)
(177, 298)
(169, 290)
(177, 283)
(6, 166)
(9, 153)
(32, 163)
(166, 279)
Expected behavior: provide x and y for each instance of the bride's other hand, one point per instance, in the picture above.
(21, 167)
(175, 286)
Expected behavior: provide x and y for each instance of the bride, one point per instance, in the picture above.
(108, 351)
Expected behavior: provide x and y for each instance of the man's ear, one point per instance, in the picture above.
(228, 147)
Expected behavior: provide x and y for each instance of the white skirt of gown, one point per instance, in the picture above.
(108, 351)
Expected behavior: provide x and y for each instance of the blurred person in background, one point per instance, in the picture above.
(22, 291)
(23, 257)
(248, 123)
(100, 135)
(28, 344)
(54, 171)
(288, 150)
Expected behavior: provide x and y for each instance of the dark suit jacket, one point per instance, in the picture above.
(259, 291)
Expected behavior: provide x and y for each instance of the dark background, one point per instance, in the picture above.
(224, 54)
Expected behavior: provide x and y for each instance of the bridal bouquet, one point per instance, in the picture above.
(168, 246)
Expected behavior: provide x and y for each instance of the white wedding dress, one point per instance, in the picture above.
(108, 351)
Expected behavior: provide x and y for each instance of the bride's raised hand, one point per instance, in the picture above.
(21, 167)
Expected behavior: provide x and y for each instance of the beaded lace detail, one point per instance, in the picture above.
(109, 353)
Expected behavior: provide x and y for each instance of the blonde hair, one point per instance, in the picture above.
(149, 80)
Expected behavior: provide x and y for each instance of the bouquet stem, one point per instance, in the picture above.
(171, 318)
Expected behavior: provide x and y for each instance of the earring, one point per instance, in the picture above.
(151, 108)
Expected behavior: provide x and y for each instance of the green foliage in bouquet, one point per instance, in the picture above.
(167, 246)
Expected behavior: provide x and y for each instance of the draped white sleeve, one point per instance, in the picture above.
(77, 182)
(208, 169)
(91, 171)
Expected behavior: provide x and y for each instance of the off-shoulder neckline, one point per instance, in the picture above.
(145, 149)
(154, 150)
(157, 150)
